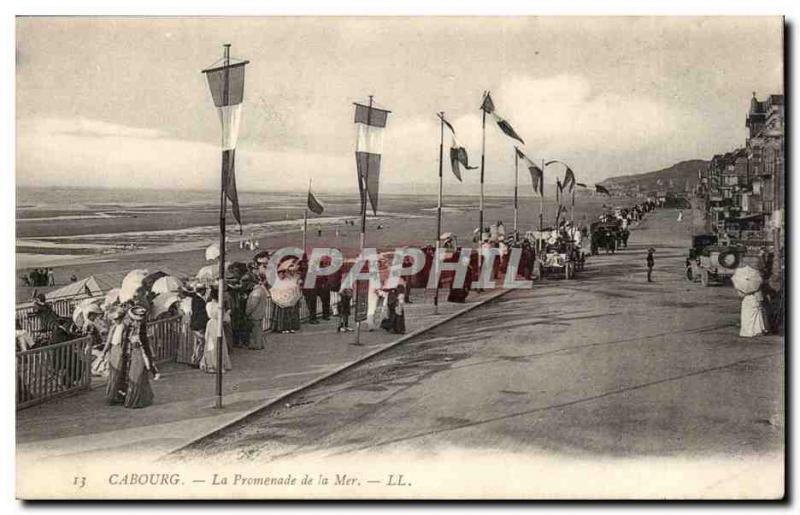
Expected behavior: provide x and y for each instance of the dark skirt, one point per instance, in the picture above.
(285, 319)
(395, 322)
(128, 381)
(458, 295)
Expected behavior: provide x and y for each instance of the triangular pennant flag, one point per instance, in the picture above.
(569, 179)
(487, 104)
(537, 175)
(314, 205)
(581, 185)
(458, 154)
(506, 127)
(448, 125)
(601, 189)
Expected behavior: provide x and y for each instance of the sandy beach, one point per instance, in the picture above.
(172, 237)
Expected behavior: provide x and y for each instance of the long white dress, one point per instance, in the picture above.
(753, 321)
(209, 361)
(375, 302)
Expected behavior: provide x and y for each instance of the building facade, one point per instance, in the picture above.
(744, 189)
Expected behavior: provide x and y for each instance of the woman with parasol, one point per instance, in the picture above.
(748, 282)
(286, 294)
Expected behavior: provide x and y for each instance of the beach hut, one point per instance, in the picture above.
(88, 287)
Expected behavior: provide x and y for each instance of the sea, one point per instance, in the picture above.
(72, 222)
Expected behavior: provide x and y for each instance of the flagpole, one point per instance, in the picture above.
(558, 203)
(222, 210)
(305, 229)
(572, 208)
(305, 219)
(438, 217)
(541, 200)
(541, 205)
(364, 210)
(483, 164)
(516, 186)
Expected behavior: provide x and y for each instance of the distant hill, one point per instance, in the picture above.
(673, 178)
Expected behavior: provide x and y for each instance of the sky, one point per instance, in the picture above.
(122, 102)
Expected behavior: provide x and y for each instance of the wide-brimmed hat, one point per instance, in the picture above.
(286, 265)
(137, 312)
(651, 250)
(116, 312)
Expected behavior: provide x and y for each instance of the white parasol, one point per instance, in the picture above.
(85, 307)
(131, 283)
(212, 252)
(285, 293)
(208, 273)
(166, 284)
(162, 302)
(747, 280)
(111, 297)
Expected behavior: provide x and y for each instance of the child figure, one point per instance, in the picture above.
(345, 297)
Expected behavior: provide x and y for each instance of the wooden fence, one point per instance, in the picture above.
(53, 371)
(30, 321)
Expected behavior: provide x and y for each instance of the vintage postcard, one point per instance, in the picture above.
(510, 257)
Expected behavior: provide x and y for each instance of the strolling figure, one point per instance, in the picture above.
(749, 284)
(345, 298)
(752, 318)
(395, 321)
(199, 320)
(286, 295)
(209, 361)
(130, 360)
(257, 314)
(650, 263)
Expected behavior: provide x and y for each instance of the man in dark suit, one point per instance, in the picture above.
(650, 263)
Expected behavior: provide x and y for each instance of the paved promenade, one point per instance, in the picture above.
(83, 425)
(590, 386)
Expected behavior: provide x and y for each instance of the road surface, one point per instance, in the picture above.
(606, 366)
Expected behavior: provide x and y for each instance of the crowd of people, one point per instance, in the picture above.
(256, 306)
(39, 277)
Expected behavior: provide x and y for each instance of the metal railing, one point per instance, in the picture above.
(53, 371)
